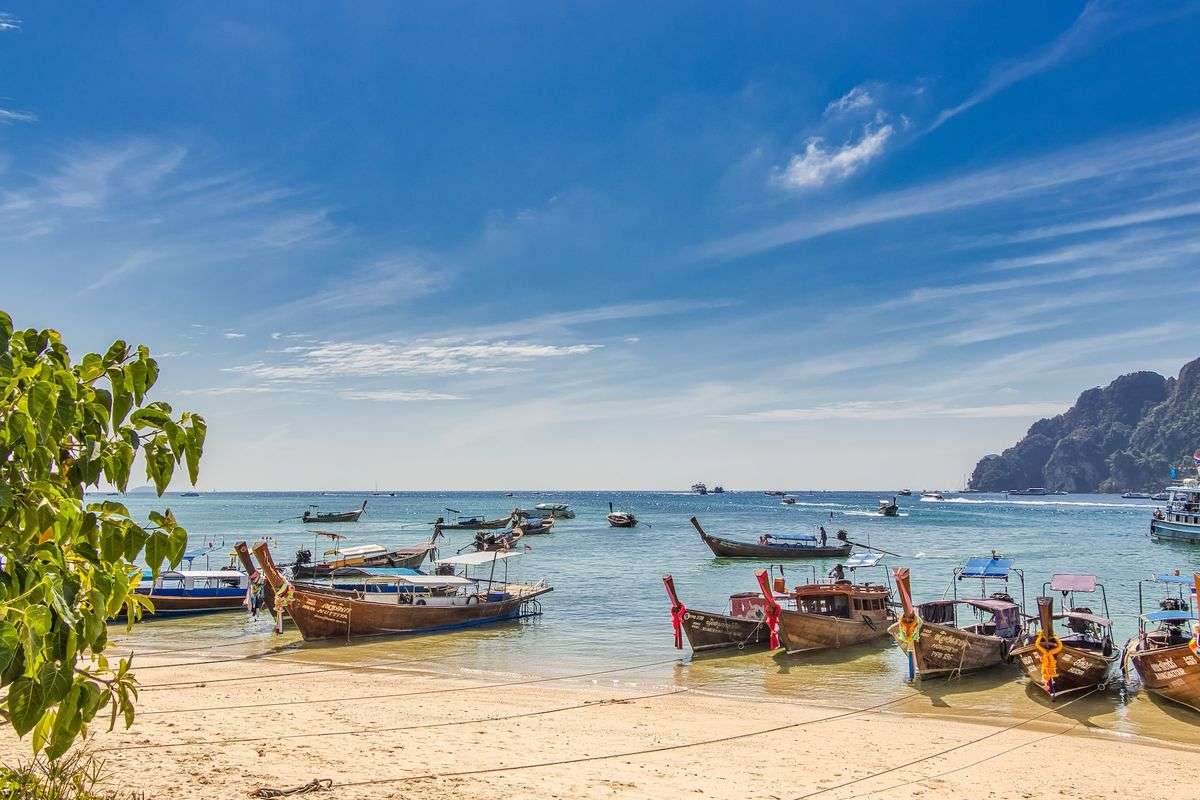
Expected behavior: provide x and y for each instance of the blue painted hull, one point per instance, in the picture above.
(1174, 531)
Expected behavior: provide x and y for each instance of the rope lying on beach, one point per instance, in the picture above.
(318, 666)
(960, 746)
(362, 731)
(315, 785)
(630, 753)
(388, 695)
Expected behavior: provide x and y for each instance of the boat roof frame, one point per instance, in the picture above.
(984, 576)
(1185, 586)
(1069, 592)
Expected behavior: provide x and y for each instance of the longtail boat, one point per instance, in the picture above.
(181, 592)
(889, 508)
(537, 526)
(1078, 660)
(1165, 652)
(480, 523)
(621, 519)
(774, 546)
(367, 555)
(743, 627)
(937, 644)
(836, 613)
(419, 604)
(337, 516)
(556, 510)
(243, 554)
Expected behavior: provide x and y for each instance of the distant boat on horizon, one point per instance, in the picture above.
(699, 488)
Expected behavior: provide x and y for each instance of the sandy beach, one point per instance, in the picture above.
(221, 723)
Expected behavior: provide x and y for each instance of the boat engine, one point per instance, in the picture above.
(303, 556)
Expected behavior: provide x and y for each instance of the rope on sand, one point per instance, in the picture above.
(315, 785)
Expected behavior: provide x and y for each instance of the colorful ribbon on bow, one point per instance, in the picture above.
(772, 610)
(1049, 655)
(678, 610)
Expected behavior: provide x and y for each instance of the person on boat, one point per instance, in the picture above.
(838, 573)
(824, 536)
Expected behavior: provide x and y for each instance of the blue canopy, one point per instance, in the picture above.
(793, 537)
(196, 552)
(986, 567)
(375, 572)
(1178, 580)
(1168, 616)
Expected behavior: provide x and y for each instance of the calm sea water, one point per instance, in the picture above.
(608, 608)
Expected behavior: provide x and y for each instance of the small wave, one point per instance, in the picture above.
(860, 513)
(1047, 502)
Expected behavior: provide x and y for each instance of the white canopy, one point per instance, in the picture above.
(225, 574)
(358, 550)
(411, 580)
(479, 557)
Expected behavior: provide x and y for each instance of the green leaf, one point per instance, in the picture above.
(158, 547)
(121, 394)
(66, 724)
(55, 680)
(10, 642)
(118, 351)
(197, 431)
(39, 619)
(24, 705)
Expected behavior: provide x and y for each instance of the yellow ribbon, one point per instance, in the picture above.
(907, 631)
(283, 597)
(1048, 654)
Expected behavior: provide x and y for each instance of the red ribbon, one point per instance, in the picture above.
(677, 613)
(773, 610)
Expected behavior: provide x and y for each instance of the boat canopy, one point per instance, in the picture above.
(1178, 580)
(193, 574)
(1168, 616)
(990, 604)
(551, 506)
(374, 571)
(793, 537)
(1073, 583)
(856, 560)
(358, 550)
(196, 552)
(986, 567)
(479, 557)
(418, 579)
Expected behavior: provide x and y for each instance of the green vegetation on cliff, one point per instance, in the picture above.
(1123, 437)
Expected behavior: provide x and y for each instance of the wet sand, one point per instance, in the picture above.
(223, 721)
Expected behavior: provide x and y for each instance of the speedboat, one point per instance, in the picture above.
(699, 488)
(1136, 496)
(906, 492)
(788, 500)
(1032, 491)
(932, 496)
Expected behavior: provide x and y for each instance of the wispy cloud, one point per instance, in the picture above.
(233, 335)
(857, 98)
(884, 410)
(398, 396)
(381, 284)
(1089, 27)
(1140, 155)
(1130, 219)
(9, 116)
(8, 22)
(818, 165)
(388, 358)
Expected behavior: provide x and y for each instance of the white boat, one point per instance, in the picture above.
(1136, 495)
(932, 496)
(1179, 519)
(699, 488)
(788, 500)
(1032, 491)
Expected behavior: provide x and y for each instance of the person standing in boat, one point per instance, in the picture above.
(824, 536)
(838, 573)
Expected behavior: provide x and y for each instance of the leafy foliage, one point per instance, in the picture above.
(74, 777)
(69, 564)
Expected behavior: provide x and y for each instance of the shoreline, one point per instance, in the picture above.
(225, 725)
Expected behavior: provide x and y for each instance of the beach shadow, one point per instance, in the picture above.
(1080, 708)
(941, 690)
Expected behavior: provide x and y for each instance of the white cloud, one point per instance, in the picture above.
(856, 98)
(1142, 157)
(8, 22)
(817, 165)
(885, 410)
(221, 391)
(1132, 218)
(398, 396)
(233, 335)
(301, 227)
(8, 116)
(420, 358)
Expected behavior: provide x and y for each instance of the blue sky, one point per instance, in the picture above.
(456, 245)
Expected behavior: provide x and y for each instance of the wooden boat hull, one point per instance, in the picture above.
(485, 525)
(802, 632)
(943, 650)
(706, 631)
(325, 613)
(168, 605)
(731, 549)
(343, 516)
(1170, 672)
(1078, 669)
(621, 521)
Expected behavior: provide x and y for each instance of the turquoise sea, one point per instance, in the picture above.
(609, 609)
